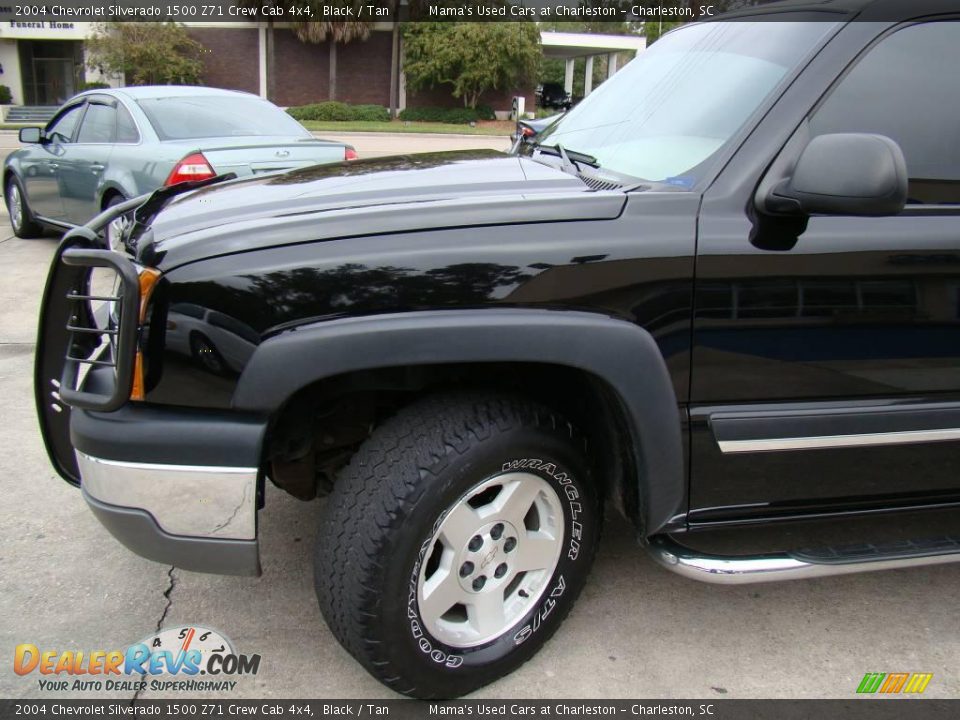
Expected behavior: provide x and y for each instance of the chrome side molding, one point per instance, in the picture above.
(838, 441)
(743, 570)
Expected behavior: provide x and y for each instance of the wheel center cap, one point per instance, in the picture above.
(484, 563)
(489, 558)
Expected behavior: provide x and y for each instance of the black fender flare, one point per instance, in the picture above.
(623, 355)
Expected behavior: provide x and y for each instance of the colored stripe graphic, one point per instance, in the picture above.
(892, 683)
(918, 682)
(871, 682)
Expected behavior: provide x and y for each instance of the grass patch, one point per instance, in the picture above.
(492, 127)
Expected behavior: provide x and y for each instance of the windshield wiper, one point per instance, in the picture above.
(569, 159)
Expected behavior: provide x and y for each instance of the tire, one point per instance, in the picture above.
(118, 226)
(404, 517)
(21, 220)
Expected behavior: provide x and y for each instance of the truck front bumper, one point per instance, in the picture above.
(179, 487)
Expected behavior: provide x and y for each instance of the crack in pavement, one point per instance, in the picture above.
(163, 616)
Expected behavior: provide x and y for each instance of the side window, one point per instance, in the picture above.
(61, 129)
(99, 124)
(126, 127)
(907, 87)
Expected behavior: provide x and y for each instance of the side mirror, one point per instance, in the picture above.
(31, 135)
(844, 174)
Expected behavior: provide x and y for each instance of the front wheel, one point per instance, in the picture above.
(21, 219)
(114, 232)
(456, 541)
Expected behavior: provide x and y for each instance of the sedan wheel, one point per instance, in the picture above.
(15, 204)
(114, 232)
(21, 220)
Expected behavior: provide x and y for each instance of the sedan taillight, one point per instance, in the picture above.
(349, 153)
(192, 167)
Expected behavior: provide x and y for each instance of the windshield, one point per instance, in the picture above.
(669, 111)
(204, 116)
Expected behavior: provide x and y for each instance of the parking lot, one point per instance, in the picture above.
(637, 631)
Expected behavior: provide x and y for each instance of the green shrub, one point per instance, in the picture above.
(486, 112)
(6, 97)
(456, 115)
(93, 86)
(333, 110)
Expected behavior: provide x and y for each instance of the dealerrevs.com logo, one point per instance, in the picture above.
(169, 660)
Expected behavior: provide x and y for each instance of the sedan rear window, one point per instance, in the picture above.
(188, 117)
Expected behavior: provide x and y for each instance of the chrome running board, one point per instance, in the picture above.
(742, 570)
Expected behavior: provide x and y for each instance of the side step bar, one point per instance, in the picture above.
(742, 570)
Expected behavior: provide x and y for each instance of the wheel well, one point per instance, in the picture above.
(321, 426)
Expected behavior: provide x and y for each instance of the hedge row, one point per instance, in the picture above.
(458, 116)
(333, 110)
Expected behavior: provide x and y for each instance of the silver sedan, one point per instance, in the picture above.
(106, 146)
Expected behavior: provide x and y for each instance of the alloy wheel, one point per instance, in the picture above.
(15, 204)
(490, 559)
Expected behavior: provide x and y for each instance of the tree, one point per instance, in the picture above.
(146, 53)
(470, 57)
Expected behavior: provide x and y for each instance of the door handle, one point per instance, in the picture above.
(97, 167)
(53, 165)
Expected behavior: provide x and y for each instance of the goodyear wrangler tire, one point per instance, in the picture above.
(456, 541)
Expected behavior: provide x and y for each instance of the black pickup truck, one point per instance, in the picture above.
(721, 297)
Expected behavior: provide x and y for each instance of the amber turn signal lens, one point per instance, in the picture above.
(137, 391)
(148, 280)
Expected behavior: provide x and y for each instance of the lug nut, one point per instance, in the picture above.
(510, 544)
(466, 569)
(500, 571)
(496, 531)
(476, 542)
(479, 582)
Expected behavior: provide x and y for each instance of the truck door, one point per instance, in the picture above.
(827, 349)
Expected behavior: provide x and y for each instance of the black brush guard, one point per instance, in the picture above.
(68, 337)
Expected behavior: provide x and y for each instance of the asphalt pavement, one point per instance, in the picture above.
(637, 631)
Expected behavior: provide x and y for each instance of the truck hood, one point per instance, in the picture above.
(376, 196)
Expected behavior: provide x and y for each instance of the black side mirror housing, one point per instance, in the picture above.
(843, 174)
(31, 135)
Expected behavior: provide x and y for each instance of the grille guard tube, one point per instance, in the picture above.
(126, 336)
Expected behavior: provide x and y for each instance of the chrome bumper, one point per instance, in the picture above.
(187, 500)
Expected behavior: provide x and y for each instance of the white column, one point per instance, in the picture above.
(611, 64)
(262, 47)
(588, 76)
(568, 76)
